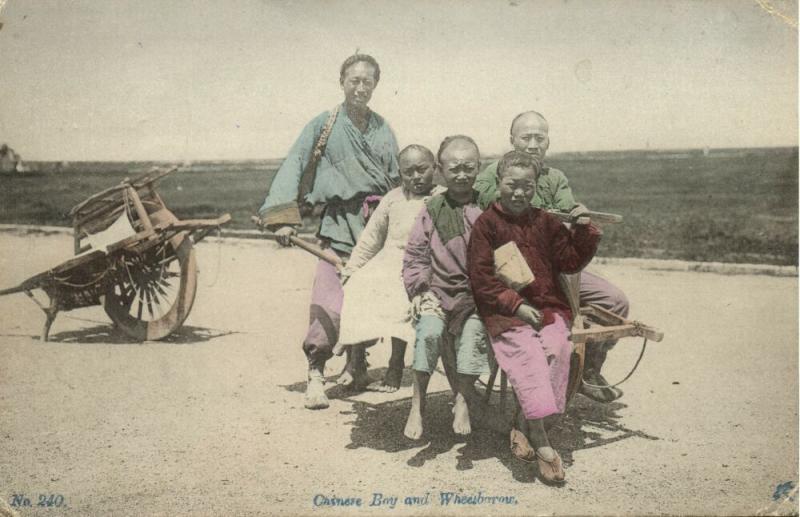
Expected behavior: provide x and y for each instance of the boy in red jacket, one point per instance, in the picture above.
(529, 328)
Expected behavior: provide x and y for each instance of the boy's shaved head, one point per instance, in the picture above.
(518, 159)
(420, 149)
(456, 138)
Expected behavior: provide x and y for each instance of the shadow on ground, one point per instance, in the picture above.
(108, 334)
(585, 425)
(588, 424)
(380, 427)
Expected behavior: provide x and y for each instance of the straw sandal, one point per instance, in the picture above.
(521, 448)
(551, 471)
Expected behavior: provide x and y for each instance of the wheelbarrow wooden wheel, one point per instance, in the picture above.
(577, 361)
(154, 293)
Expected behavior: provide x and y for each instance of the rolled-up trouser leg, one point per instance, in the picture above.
(430, 330)
(325, 310)
(471, 358)
(537, 365)
(599, 291)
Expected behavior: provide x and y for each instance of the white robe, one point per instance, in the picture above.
(375, 302)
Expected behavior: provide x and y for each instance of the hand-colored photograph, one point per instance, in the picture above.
(521, 257)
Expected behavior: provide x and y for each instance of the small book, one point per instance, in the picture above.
(511, 268)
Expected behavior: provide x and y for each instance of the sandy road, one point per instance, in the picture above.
(212, 422)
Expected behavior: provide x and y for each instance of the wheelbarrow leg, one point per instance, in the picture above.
(49, 313)
(50, 316)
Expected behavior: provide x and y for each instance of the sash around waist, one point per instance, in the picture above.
(352, 204)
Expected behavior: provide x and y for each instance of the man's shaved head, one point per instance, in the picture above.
(530, 134)
(525, 116)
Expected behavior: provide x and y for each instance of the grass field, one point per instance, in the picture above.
(738, 205)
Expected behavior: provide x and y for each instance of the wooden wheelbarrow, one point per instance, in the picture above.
(132, 256)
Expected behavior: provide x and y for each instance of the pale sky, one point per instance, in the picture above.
(203, 79)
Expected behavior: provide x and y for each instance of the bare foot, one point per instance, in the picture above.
(354, 375)
(381, 387)
(357, 380)
(461, 423)
(413, 428)
(391, 381)
(360, 380)
(315, 391)
(393, 378)
(345, 379)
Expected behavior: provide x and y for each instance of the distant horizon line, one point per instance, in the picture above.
(489, 155)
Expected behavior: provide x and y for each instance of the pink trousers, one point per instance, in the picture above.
(537, 365)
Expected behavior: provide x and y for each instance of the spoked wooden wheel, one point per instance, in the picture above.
(154, 292)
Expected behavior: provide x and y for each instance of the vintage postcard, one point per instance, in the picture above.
(513, 257)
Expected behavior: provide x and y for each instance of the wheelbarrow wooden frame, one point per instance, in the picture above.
(155, 266)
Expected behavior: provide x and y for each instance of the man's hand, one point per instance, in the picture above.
(529, 315)
(282, 235)
(577, 214)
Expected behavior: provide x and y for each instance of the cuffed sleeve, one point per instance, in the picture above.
(281, 215)
(417, 256)
(574, 248)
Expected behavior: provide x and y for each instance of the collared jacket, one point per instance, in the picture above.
(549, 248)
(353, 166)
(552, 189)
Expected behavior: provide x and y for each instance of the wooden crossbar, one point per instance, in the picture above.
(597, 333)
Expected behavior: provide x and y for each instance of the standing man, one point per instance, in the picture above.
(530, 133)
(341, 157)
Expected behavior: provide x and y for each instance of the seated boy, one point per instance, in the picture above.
(529, 328)
(435, 278)
(375, 304)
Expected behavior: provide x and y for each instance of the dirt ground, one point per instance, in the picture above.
(211, 421)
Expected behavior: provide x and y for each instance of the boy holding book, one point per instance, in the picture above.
(528, 324)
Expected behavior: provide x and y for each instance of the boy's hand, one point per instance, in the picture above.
(426, 301)
(529, 315)
(577, 214)
(416, 307)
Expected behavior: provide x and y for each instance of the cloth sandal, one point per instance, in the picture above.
(521, 448)
(551, 471)
(601, 391)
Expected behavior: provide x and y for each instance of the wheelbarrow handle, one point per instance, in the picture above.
(304, 245)
(595, 217)
(12, 290)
